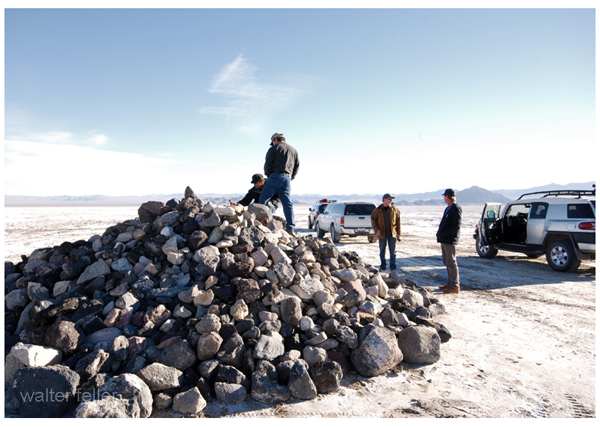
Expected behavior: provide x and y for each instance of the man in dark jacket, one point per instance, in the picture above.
(253, 195)
(281, 167)
(448, 234)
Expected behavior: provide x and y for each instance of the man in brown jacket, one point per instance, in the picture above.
(385, 220)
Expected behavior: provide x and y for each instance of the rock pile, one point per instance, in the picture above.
(193, 301)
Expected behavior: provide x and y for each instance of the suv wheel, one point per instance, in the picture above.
(335, 236)
(561, 256)
(310, 224)
(320, 233)
(372, 239)
(485, 251)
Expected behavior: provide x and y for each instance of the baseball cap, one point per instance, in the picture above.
(276, 135)
(388, 196)
(449, 192)
(257, 177)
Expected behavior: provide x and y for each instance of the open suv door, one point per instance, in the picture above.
(488, 231)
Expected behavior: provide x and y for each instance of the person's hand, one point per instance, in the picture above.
(398, 239)
(379, 234)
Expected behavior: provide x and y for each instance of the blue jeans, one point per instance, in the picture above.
(391, 243)
(280, 184)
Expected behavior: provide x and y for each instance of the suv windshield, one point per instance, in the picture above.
(359, 209)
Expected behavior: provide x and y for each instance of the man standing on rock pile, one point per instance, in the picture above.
(385, 220)
(448, 234)
(281, 167)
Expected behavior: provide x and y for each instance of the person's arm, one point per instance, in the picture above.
(398, 224)
(296, 166)
(247, 199)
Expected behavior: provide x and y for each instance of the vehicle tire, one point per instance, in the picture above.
(561, 256)
(485, 251)
(310, 224)
(320, 233)
(335, 236)
(372, 239)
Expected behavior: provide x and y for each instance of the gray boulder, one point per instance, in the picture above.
(269, 346)
(291, 311)
(300, 383)
(230, 393)
(189, 402)
(161, 377)
(377, 352)
(326, 376)
(179, 355)
(420, 344)
(267, 390)
(262, 212)
(97, 269)
(131, 388)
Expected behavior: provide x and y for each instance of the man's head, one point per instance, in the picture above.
(277, 138)
(449, 196)
(387, 200)
(258, 180)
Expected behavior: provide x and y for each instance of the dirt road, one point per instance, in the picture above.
(523, 339)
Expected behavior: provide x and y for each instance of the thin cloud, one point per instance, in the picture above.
(96, 138)
(251, 103)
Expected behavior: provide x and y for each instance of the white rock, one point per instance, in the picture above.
(36, 355)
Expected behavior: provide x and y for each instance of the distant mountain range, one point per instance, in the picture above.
(469, 196)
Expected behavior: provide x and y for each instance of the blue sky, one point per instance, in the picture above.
(142, 101)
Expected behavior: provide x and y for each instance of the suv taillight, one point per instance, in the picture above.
(342, 221)
(587, 226)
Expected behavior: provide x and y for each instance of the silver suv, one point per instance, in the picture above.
(560, 224)
(346, 219)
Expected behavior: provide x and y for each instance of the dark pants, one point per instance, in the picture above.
(391, 243)
(449, 259)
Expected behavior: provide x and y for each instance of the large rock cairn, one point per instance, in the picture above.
(192, 302)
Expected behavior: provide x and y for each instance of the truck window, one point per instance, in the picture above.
(580, 211)
(359, 209)
(538, 210)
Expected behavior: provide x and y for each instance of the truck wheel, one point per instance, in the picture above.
(310, 224)
(334, 235)
(372, 239)
(561, 256)
(485, 251)
(320, 233)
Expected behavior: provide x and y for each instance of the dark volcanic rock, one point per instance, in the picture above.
(45, 392)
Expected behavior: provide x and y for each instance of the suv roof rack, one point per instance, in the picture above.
(557, 193)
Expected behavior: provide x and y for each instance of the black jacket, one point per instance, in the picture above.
(449, 230)
(253, 196)
(282, 158)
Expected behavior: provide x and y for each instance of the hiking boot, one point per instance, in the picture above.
(450, 290)
(291, 232)
(446, 286)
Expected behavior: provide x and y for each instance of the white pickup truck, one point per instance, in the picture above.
(346, 219)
